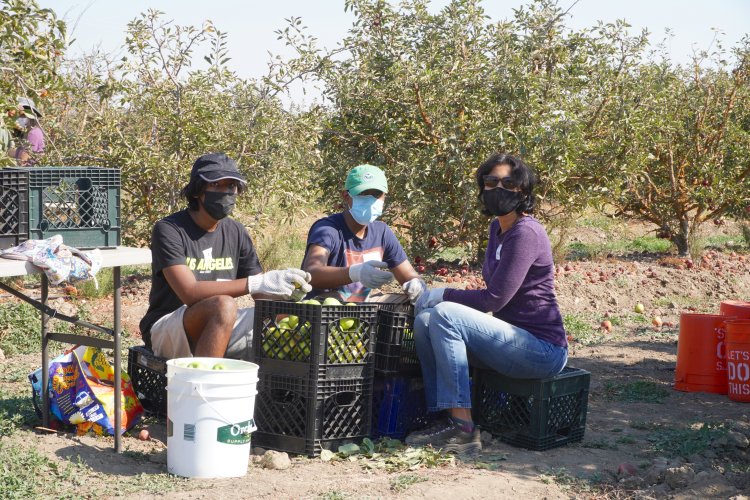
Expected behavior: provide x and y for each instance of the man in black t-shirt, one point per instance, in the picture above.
(201, 261)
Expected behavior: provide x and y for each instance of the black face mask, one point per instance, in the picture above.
(500, 201)
(219, 205)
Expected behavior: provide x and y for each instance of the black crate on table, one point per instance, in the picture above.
(304, 416)
(537, 414)
(80, 203)
(148, 372)
(398, 407)
(14, 208)
(395, 349)
(319, 342)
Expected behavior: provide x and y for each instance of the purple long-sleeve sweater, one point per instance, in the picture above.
(519, 272)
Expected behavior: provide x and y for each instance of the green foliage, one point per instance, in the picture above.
(639, 391)
(403, 481)
(389, 454)
(430, 96)
(155, 111)
(33, 42)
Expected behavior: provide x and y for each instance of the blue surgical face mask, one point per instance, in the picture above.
(366, 209)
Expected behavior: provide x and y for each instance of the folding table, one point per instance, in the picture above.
(111, 257)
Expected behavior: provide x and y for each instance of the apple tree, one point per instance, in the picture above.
(672, 148)
(429, 96)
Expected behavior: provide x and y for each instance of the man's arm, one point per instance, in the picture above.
(404, 272)
(189, 290)
(323, 275)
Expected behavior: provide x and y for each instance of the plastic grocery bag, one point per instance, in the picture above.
(81, 392)
(58, 261)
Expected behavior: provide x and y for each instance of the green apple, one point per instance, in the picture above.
(312, 302)
(639, 308)
(347, 323)
(331, 301)
(195, 364)
(292, 321)
(219, 366)
(351, 303)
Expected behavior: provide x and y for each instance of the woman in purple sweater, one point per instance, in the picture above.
(523, 338)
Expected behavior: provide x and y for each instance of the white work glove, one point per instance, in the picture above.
(282, 283)
(414, 288)
(370, 273)
(429, 299)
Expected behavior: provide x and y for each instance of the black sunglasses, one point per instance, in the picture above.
(491, 182)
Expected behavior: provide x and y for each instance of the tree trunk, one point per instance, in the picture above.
(681, 239)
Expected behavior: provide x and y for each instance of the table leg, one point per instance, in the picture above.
(118, 360)
(45, 355)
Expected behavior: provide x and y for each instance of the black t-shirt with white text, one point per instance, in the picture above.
(226, 253)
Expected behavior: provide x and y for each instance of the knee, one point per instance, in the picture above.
(444, 311)
(422, 320)
(224, 309)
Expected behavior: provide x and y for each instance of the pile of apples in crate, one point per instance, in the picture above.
(289, 340)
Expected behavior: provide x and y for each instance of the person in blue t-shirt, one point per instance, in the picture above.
(351, 253)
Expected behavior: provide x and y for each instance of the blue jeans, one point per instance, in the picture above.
(449, 334)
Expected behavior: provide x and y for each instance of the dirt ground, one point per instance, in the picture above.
(643, 439)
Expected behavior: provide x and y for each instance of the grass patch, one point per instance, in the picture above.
(626, 440)
(400, 483)
(19, 328)
(728, 241)
(334, 495)
(569, 482)
(581, 330)
(15, 412)
(597, 251)
(26, 473)
(601, 444)
(685, 442)
(639, 391)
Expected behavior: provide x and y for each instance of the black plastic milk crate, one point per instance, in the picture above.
(395, 350)
(537, 414)
(321, 342)
(398, 407)
(303, 416)
(80, 203)
(14, 208)
(148, 372)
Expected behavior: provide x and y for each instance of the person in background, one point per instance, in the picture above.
(29, 137)
(202, 260)
(351, 253)
(523, 338)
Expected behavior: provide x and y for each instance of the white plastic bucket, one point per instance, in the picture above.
(210, 417)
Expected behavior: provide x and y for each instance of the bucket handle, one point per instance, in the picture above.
(196, 389)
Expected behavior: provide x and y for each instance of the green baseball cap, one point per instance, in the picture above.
(364, 177)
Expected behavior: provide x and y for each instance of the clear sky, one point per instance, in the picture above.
(250, 24)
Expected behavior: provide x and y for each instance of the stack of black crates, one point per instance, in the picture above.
(80, 203)
(316, 375)
(398, 394)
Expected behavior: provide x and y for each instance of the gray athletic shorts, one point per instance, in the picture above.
(169, 340)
